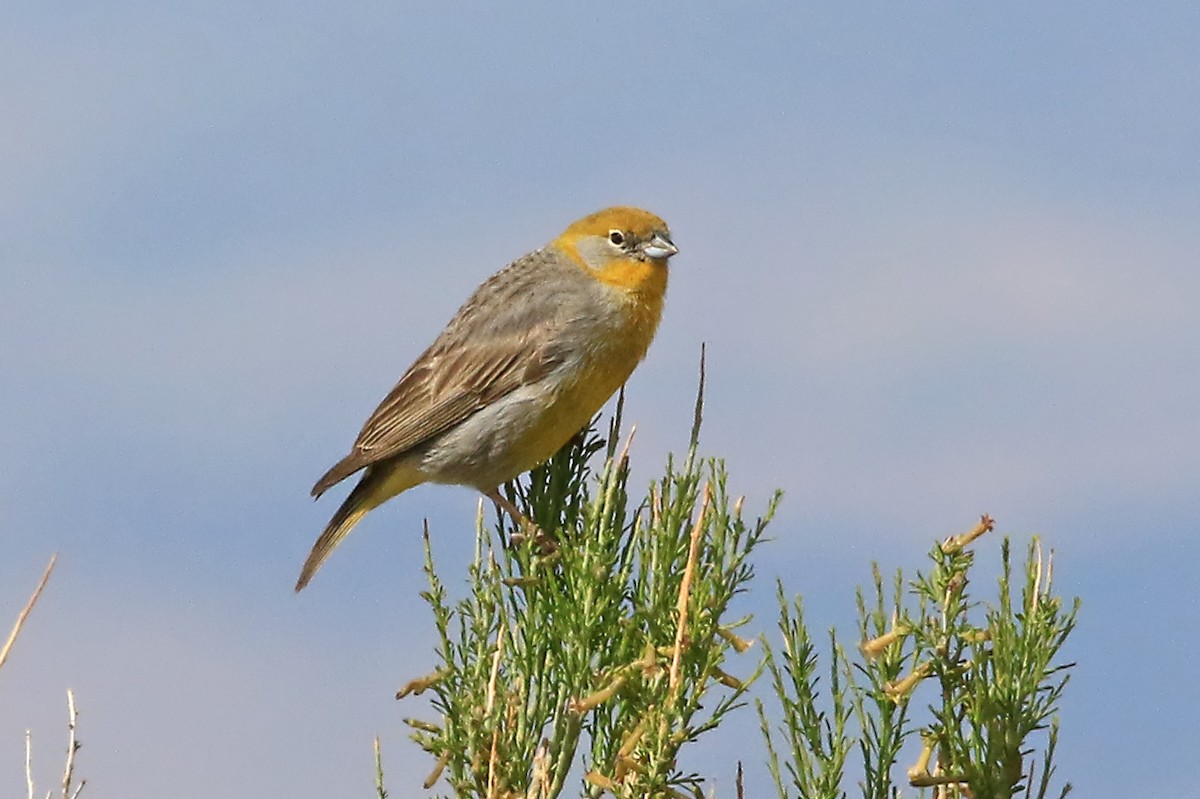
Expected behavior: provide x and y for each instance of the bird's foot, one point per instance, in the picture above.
(526, 527)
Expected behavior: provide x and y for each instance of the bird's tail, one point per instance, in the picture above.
(368, 494)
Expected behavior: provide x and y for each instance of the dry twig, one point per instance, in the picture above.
(37, 592)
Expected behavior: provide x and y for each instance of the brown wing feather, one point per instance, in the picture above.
(423, 406)
(493, 346)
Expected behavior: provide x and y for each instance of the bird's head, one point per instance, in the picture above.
(624, 246)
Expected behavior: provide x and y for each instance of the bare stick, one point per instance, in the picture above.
(28, 766)
(12, 637)
(72, 748)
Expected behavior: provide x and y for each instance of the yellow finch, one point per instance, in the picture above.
(522, 367)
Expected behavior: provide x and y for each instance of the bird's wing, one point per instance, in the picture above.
(444, 388)
(498, 342)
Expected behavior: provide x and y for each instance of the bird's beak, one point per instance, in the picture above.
(660, 246)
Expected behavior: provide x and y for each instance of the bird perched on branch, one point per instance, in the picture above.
(523, 366)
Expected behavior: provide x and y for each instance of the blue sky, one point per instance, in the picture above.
(943, 256)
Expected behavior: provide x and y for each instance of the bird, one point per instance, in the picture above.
(521, 368)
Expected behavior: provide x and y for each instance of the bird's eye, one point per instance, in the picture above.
(616, 237)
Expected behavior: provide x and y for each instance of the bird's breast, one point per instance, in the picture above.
(605, 347)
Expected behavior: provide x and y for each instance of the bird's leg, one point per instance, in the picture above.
(503, 504)
(526, 525)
